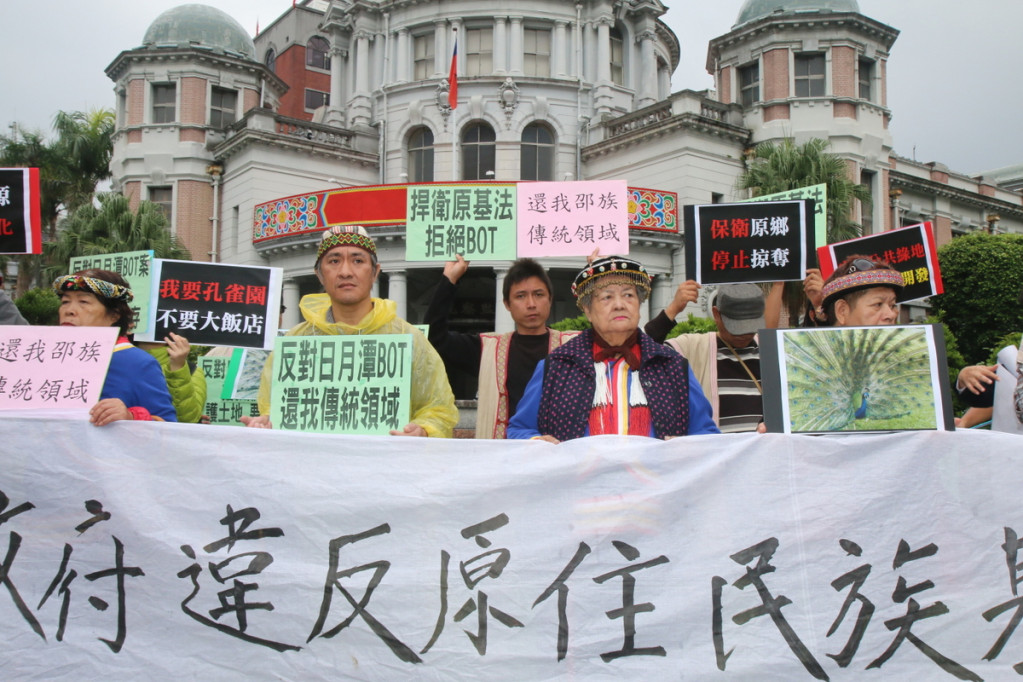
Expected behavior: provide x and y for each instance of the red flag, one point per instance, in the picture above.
(453, 78)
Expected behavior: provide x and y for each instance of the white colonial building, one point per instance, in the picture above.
(353, 94)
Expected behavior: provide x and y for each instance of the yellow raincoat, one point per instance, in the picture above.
(432, 403)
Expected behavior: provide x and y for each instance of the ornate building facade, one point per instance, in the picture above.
(354, 93)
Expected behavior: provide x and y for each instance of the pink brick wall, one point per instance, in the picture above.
(192, 217)
(250, 100)
(192, 135)
(136, 105)
(132, 190)
(776, 112)
(193, 101)
(844, 110)
(725, 85)
(843, 71)
(776, 75)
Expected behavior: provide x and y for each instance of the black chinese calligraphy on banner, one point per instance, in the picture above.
(910, 250)
(475, 220)
(20, 217)
(342, 384)
(213, 304)
(749, 242)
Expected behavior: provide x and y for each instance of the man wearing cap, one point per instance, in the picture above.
(346, 265)
(613, 378)
(727, 362)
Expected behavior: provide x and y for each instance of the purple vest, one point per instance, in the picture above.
(569, 382)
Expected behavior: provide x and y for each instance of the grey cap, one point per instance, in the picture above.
(741, 307)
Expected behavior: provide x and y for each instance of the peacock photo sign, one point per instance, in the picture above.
(837, 379)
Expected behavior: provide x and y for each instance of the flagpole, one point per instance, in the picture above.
(453, 103)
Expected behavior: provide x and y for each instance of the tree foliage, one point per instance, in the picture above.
(39, 306)
(70, 166)
(112, 227)
(784, 166)
(983, 275)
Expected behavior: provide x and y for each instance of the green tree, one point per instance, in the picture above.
(39, 306)
(112, 227)
(783, 166)
(982, 274)
(70, 167)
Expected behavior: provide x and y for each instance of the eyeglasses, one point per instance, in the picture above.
(861, 264)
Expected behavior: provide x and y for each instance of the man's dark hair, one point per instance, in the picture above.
(523, 269)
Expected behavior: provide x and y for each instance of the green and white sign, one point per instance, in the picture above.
(819, 193)
(342, 384)
(475, 220)
(134, 266)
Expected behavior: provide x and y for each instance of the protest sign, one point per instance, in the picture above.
(910, 250)
(214, 304)
(262, 555)
(819, 195)
(342, 384)
(830, 379)
(53, 367)
(573, 218)
(244, 374)
(475, 220)
(751, 242)
(219, 410)
(21, 225)
(137, 269)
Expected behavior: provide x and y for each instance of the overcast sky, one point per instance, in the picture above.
(953, 79)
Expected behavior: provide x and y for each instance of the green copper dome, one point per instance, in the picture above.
(199, 25)
(757, 9)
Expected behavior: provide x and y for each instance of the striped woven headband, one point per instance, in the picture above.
(863, 278)
(99, 287)
(345, 235)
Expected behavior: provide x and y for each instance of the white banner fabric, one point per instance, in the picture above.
(159, 551)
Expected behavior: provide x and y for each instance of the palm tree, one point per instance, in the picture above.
(784, 166)
(85, 140)
(111, 228)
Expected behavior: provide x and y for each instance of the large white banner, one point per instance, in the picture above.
(159, 551)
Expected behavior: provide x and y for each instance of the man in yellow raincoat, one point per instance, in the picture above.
(346, 265)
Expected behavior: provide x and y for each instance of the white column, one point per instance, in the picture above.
(404, 61)
(559, 49)
(648, 70)
(441, 51)
(397, 291)
(362, 64)
(515, 47)
(336, 110)
(500, 45)
(604, 51)
(290, 298)
(661, 295)
(502, 318)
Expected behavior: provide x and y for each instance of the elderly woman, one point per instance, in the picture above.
(134, 387)
(613, 378)
(860, 292)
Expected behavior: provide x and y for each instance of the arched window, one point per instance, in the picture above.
(537, 153)
(479, 151)
(317, 53)
(420, 155)
(617, 57)
(270, 60)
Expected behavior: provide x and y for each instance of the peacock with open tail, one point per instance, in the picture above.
(837, 375)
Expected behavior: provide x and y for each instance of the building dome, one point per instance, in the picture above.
(199, 26)
(757, 9)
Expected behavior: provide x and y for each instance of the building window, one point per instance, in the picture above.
(866, 77)
(163, 197)
(314, 99)
(537, 153)
(617, 57)
(270, 60)
(479, 52)
(749, 84)
(866, 208)
(223, 107)
(164, 102)
(536, 57)
(479, 151)
(422, 57)
(317, 53)
(809, 75)
(420, 155)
